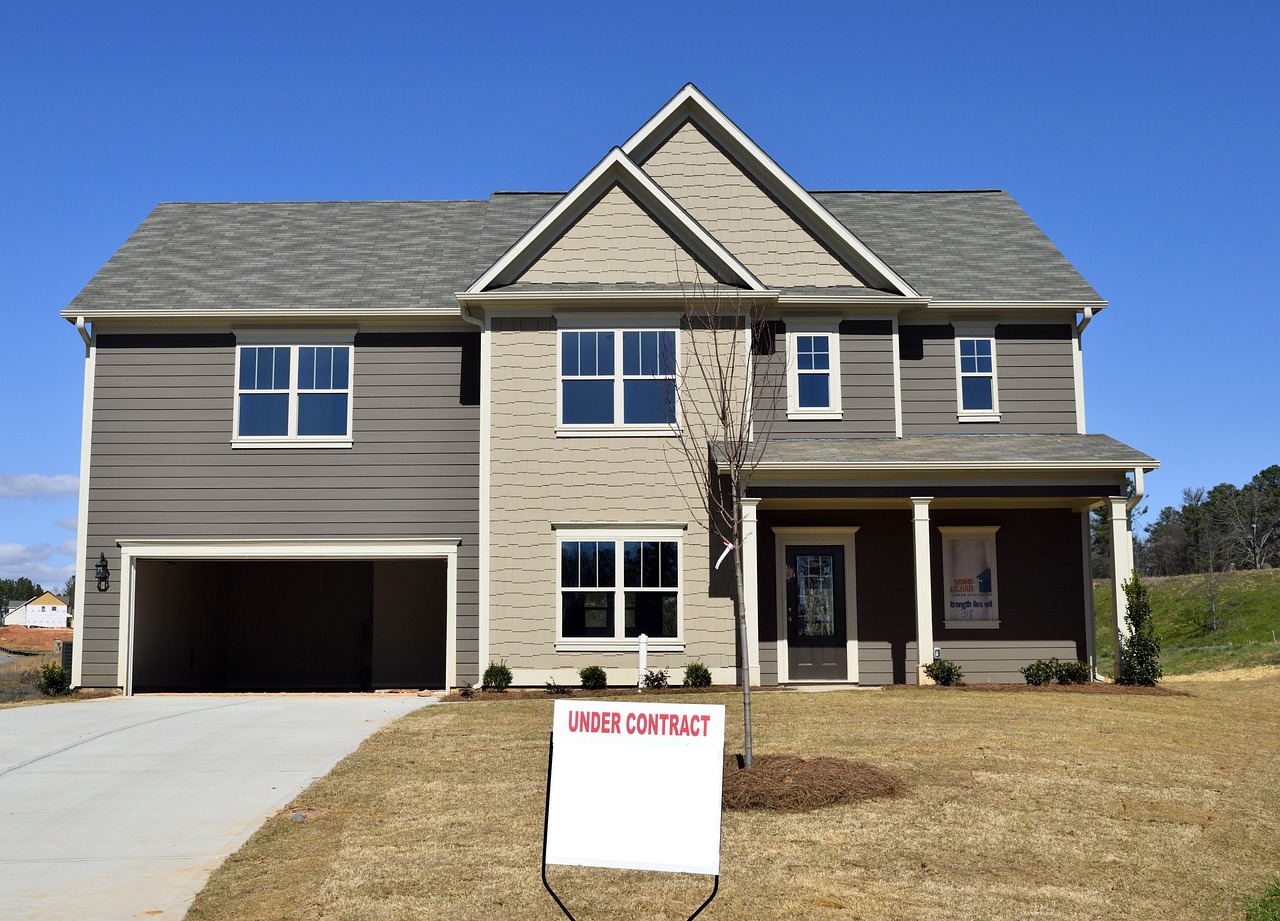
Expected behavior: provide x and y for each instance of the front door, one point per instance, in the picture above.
(815, 599)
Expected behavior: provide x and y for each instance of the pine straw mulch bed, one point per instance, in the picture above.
(1094, 687)
(789, 783)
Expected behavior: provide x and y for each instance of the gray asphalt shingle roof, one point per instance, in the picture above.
(967, 451)
(418, 254)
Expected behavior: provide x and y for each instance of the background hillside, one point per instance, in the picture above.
(1249, 620)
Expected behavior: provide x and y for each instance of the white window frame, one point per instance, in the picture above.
(619, 535)
(617, 427)
(977, 415)
(293, 341)
(830, 329)
(951, 535)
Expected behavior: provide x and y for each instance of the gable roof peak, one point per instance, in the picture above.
(691, 105)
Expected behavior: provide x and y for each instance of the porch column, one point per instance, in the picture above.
(750, 551)
(1121, 569)
(924, 584)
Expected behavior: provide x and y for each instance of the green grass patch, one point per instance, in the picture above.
(1265, 908)
(1246, 639)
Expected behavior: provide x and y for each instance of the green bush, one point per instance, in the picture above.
(54, 680)
(944, 672)
(497, 677)
(593, 678)
(1140, 653)
(1040, 672)
(1074, 673)
(697, 675)
(654, 679)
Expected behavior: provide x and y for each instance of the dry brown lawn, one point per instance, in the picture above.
(1017, 806)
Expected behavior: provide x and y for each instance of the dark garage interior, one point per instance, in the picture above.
(289, 625)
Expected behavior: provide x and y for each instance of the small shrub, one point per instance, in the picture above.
(54, 680)
(555, 689)
(593, 678)
(944, 672)
(1140, 653)
(654, 679)
(497, 677)
(697, 675)
(1074, 673)
(467, 690)
(1040, 672)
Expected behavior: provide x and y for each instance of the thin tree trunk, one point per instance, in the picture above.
(739, 604)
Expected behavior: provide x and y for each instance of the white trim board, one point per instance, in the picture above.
(801, 535)
(131, 551)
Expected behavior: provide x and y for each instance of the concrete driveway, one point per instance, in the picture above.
(120, 808)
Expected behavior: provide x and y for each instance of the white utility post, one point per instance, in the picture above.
(924, 585)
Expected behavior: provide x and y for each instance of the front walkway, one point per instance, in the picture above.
(120, 808)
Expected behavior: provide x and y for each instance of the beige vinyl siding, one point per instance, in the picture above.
(163, 466)
(615, 242)
(740, 214)
(538, 479)
(1034, 376)
(866, 385)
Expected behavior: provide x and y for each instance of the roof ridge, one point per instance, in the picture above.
(912, 191)
(338, 201)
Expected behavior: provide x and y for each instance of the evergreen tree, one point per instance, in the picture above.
(1140, 653)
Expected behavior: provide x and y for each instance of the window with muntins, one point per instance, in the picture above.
(977, 376)
(617, 589)
(293, 393)
(813, 371)
(622, 379)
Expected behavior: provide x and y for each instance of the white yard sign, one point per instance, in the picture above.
(636, 786)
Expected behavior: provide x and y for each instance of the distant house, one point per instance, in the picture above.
(47, 610)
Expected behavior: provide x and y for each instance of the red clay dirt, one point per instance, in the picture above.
(32, 639)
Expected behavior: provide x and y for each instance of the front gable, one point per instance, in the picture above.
(616, 242)
(737, 191)
(616, 226)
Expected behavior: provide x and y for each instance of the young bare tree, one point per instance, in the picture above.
(725, 414)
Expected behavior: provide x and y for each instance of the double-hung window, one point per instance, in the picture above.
(970, 590)
(293, 394)
(617, 380)
(976, 378)
(615, 587)
(813, 370)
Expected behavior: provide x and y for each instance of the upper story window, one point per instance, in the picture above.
(813, 371)
(616, 586)
(617, 381)
(293, 395)
(978, 396)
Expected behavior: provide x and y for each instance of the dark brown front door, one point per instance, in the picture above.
(816, 612)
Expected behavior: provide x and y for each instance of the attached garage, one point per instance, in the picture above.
(295, 617)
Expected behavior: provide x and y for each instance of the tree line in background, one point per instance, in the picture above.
(17, 591)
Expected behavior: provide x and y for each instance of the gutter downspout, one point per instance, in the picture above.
(1084, 320)
(84, 334)
(1138, 491)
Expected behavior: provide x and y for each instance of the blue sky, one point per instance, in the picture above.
(1141, 136)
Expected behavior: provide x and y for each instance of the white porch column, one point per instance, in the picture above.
(1121, 569)
(924, 584)
(750, 551)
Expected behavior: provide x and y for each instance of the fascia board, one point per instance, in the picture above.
(225, 315)
(691, 101)
(955, 467)
(1004, 305)
(894, 303)
(615, 167)
(523, 300)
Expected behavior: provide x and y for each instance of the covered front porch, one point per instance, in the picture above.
(862, 570)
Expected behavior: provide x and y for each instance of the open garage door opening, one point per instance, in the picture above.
(289, 625)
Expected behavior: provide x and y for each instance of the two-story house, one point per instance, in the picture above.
(433, 435)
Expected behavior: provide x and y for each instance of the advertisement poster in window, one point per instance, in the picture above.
(970, 566)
